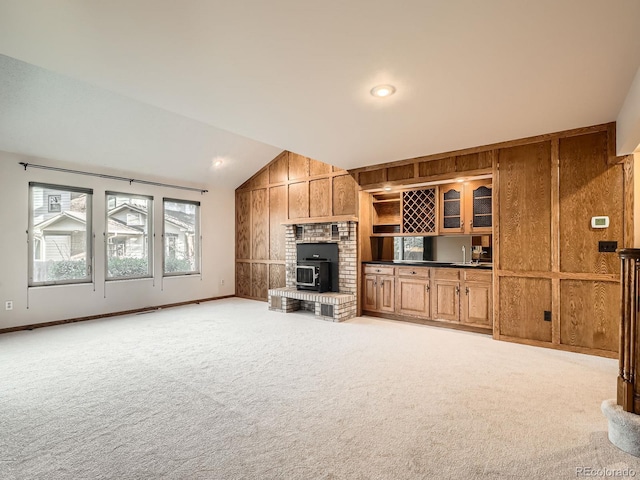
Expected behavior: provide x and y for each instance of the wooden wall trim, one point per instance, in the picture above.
(108, 315)
(628, 202)
(555, 240)
(596, 277)
(429, 179)
(496, 241)
(493, 146)
(561, 346)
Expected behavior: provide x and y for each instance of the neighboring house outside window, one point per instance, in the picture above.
(181, 237)
(129, 236)
(59, 234)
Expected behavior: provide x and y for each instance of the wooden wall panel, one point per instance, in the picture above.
(473, 161)
(345, 195)
(243, 279)
(259, 280)
(259, 225)
(525, 207)
(279, 168)
(589, 186)
(436, 167)
(522, 304)
(372, 176)
(320, 198)
(318, 168)
(243, 225)
(590, 314)
(402, 172)
(261, 179)
(298, 166)
(277, 275)
(299, 200)
(277, 215)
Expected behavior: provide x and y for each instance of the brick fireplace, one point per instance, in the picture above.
(329, 306)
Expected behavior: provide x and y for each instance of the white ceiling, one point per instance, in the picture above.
(296, 74)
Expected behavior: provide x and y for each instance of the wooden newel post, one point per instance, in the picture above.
(628, 381)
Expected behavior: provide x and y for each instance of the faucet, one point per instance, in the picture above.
(464, 255)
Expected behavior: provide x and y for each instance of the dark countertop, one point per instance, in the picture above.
(418, 263)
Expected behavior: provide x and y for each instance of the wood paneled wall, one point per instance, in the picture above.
(546, 253)
(546, 258)
(291, 188)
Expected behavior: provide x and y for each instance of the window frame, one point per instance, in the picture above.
(197, 250)
(89, 236)
(150, 236)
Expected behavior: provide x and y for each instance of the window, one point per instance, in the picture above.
(181, 237)
(129, 236)
(413, 248)
(59, 234)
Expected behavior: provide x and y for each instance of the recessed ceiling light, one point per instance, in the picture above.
(217, 163)
(383, 91)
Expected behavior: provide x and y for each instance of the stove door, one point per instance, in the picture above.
(306, 275)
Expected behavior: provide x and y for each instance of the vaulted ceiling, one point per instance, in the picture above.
(169, 86)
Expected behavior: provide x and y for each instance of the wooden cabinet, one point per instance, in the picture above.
(464, 296)
(446, 294)
(477, 299)
(455, 295)
(379, 289)
(466, 207)
(413, 292)
(409, 212)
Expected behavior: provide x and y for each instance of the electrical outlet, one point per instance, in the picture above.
(221, 282)
(607, 246)
(8, 305)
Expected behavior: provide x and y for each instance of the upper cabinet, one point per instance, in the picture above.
(409, 212)
(419, 211)
(387, 216)
(466, 207)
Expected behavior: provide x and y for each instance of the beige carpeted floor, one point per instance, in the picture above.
(229, 390)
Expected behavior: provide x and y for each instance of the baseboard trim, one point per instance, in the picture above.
(554, 346)
(107, 315)
(432, 323)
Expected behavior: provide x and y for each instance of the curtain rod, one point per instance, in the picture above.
(111, 177)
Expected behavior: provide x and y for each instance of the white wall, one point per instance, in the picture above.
(44, 304)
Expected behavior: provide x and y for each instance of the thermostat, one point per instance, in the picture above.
(599, 222)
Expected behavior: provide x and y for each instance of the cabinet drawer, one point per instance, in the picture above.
(446, 274)
(379, 270)
(413, 272)
(476, 276)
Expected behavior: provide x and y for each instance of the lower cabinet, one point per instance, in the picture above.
(454, 295)
(477, 300)
(446, 294)
(413, 297)
(379, 289)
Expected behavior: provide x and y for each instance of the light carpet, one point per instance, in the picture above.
(229, 390)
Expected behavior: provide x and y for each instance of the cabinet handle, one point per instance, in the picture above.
(461, 223)
(466, 290)
(375, 283)
(377, 270)
(457, 290)
(427, 287)
(413, 273)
